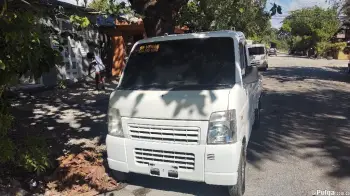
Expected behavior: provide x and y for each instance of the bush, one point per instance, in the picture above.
(33, 154)
(29, 153)
(324, 48)
(7, 146)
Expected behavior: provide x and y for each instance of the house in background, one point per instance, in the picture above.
(73, 43)
(343, 35)
(123, 34)
(110, 37)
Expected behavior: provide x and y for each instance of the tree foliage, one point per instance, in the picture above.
(99, 5)
(247, 16)
(161, 16)
(25, 50)
(111, 7)
(311, 27)
(82, 22)
(272, 35)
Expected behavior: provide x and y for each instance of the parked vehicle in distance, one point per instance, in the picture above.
(185, 111)
(258, 56)
(272, 51)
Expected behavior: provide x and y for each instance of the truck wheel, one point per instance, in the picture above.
(120, 176)
(239, 188)
(256, 124)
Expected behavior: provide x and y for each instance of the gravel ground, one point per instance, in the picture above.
(303, 144)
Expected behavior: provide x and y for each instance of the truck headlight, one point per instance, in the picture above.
(222, 127)
(115, 123)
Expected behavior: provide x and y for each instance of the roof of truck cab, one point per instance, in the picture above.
(236, 34)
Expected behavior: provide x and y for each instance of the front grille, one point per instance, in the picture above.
(181, 160)
(181, 135)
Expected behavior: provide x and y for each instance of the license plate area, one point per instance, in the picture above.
(164, 170)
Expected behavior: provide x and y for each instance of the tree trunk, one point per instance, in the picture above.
(159, 15)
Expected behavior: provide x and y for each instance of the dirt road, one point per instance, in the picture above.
(303, 144)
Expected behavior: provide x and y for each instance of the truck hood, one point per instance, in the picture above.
(179, 105)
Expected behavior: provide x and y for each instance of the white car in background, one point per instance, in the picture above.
(185, 109)
(258, 56)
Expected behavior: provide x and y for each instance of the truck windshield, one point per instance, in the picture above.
(181, 64)
(256, 51)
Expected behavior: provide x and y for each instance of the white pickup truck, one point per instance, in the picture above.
(185, 109)
(258, 56)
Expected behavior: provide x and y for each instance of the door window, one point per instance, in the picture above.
(243, 57)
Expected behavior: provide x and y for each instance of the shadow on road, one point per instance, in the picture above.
(293, 73)
(177, 186)
(313, 125)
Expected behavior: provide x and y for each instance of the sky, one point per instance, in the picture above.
(287, 5)
(290, 5)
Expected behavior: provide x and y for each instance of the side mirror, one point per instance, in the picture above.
(251, 76)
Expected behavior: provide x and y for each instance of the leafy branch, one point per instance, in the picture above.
(82, 22)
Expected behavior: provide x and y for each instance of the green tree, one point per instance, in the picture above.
(247, 16)
(160, 15)
(25, 49)
(311, 27)
(99, 5)
(112, 7)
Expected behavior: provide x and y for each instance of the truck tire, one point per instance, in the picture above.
(120, 176)
(239, 188)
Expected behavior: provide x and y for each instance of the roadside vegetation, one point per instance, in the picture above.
(25, 50)
(310, 31)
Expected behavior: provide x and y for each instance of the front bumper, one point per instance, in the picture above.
(212, 164)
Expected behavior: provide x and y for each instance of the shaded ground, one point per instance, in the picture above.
(303, 144)
(78, 114)
(71, 121)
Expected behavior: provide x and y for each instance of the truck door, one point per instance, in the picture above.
(245, 113)
(250, 84)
